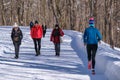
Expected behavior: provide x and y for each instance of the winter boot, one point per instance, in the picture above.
(16, 57)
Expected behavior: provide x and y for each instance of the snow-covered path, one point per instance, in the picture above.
(69, 66)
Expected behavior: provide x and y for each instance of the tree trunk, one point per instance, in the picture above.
(3, 13)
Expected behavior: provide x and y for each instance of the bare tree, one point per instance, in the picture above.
(69, 14)
(2, 12)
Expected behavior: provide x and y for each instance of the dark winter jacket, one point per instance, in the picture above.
(16, 36)
(44, 27)
(92, 35)
(55, 36)
(31, 24)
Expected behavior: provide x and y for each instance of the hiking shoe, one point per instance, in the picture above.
(16, 57)
(57, 54)
(36, 54)
(89, 65)
(93, 71)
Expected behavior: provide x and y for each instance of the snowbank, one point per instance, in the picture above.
(107, 60)
(113, 70)
(78, 42)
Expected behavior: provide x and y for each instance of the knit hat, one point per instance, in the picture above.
(91, 22)
(15, 25)
(36, 22)
(56, 25)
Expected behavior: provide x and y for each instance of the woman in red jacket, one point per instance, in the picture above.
(36, 34)
(55, 38)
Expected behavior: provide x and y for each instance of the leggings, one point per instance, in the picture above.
(37, 44)
(91, 51)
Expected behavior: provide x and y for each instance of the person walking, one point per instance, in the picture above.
(91, 38)
(55, 38)
(36, 34)
(44, 29)
(16, 36)
(31, 24)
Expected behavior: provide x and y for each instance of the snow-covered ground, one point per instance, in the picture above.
(71, 65)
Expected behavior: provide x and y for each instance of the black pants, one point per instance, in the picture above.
(91, 51)
(16, 45)
(57, 49)
(44, 32)
(37, 45)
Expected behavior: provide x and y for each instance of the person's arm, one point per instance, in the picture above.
(61, 32)
(31, 32)
(12, 34)
(99, 36)
(41, 29)
(21, 35)
(52, 37)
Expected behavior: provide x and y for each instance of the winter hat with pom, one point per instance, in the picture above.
(91, 22)
(56, 25)
(15, 25)
(36, 22)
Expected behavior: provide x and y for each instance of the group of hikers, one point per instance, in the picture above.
(91, 38)
(36, 32)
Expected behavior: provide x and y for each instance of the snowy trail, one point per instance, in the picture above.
(69, 66)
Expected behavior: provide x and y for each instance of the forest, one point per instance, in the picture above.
(69, 14)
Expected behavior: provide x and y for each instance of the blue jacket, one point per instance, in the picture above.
(92, 35)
